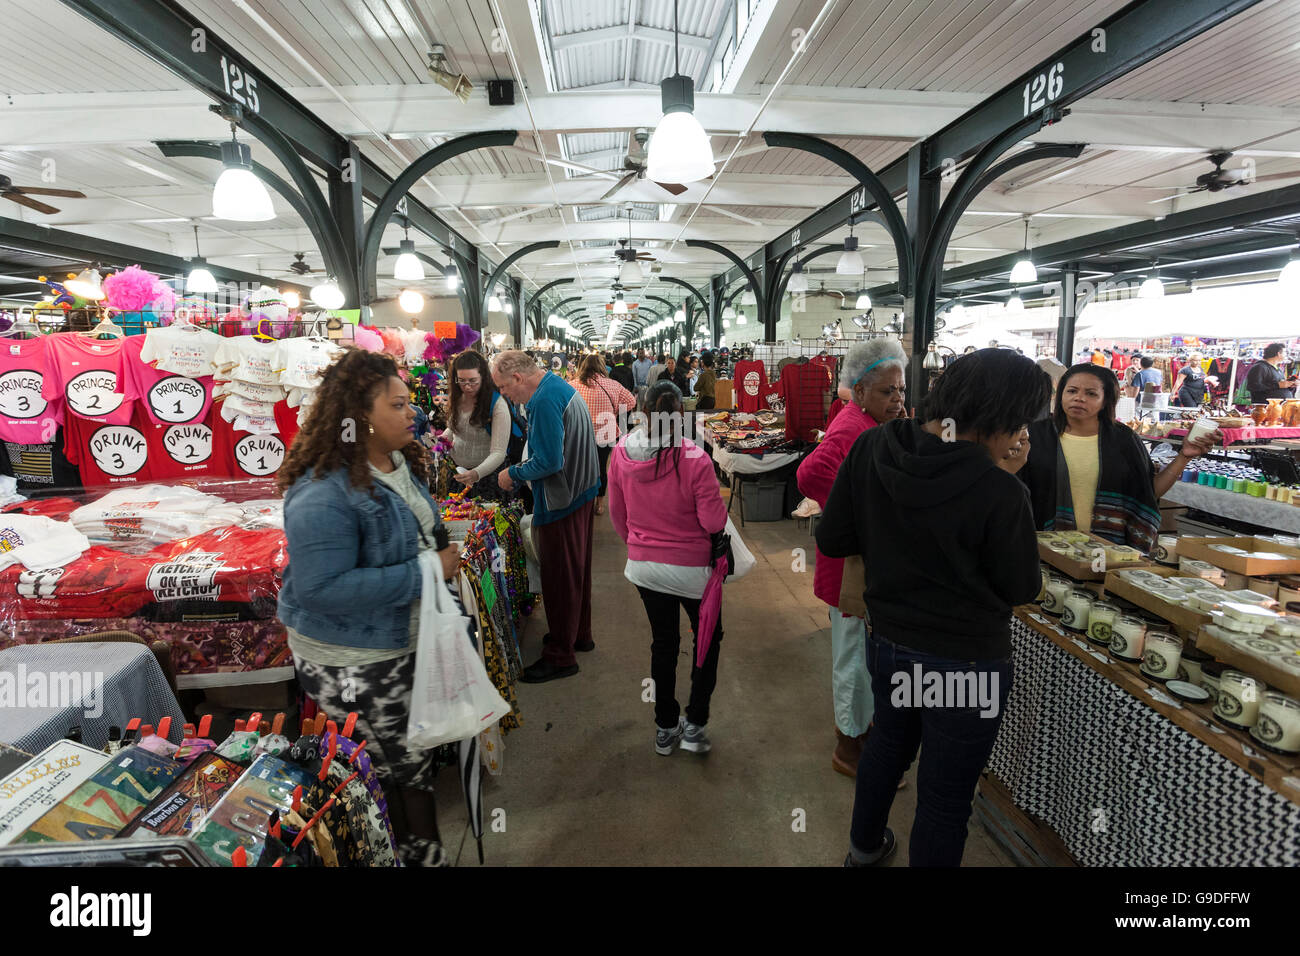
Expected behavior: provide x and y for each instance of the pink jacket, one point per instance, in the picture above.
(669, 518)
(816, 475)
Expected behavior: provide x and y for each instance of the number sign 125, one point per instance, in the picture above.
(241, 85)
(1044, 88)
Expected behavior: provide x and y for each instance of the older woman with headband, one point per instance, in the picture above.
(873, 376)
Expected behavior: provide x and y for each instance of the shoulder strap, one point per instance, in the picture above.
(492, 405)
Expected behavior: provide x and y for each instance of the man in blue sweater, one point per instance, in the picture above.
(564, 472)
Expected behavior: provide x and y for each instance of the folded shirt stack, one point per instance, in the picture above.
(142, 516)
(39, 543)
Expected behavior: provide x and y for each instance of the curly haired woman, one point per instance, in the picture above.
(357, 514)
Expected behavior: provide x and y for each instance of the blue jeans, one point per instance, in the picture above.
(954, 727)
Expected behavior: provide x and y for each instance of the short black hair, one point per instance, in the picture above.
(707, 359)
(989, 392)
(1109, 391)
(1274, 349)
(628, 357)
(1147, 361)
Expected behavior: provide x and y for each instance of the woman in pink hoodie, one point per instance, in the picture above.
(873, 373)
(665, 503)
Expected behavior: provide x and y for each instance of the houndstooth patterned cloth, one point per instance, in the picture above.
(1120, 783)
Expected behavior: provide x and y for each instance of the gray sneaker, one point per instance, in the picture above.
(665, 739)
(696, 739)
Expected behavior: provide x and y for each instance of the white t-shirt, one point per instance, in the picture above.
(247, 359)
(668, 578)
(268, 394)
(39, 543)
(182, 350)
(255, 425)
(303, 361)
(148, 514)
(236, 405)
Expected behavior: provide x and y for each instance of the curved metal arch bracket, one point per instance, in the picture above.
(752, 280)
(500, 270)
(704, 303)
(860, 171)
(409, 177)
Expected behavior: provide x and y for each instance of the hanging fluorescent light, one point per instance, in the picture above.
(408, 267)
(620, 307)
(850, 262)
(328, 295)
(86, 285)
(629, 273)
(292, 299)
(200, 280)
(1024, 270)
(494, 304)
(728, 313)
(1014, 304)
(798, 281)
(679, 150)
(239, 194)
(748, 298)
(679, 316)
(410, 301)
(740, 318)
(1151, 288)
(452, 275)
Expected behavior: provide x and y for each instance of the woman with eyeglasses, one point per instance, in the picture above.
(479, 425)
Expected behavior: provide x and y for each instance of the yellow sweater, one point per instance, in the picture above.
(1083, 460)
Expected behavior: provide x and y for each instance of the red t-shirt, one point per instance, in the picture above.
(182, 451)
(245, 455)
(804, 389)
(27, 417)
(167, 398)
(751, 384)
(228, 564)
(103, 582)
(81, 374)
(107, 454)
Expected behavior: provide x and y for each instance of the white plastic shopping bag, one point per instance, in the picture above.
(452, 697)
(740, 554)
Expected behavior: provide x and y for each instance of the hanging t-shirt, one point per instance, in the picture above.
(804, 389)
(751, 384)
(245, 454)
(26, 416)
(166, 397)
(304, 360)
(235, 405)
(107, 454)
(248, 359)
(182, 451)
(40, 468)
(81, 374)
(181, 350)
(270, 394)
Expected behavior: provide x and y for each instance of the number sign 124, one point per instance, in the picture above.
(1044, 88)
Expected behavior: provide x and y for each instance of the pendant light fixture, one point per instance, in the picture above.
(552, 321)
(200, 280)
(411, 301)
(292, 299)
(740, 317)
(494, 303)
(508, 307)
(87, 284)
(1152, 287)
(728, 312)
(452, 275)
(620, 307)
(1024, 270)
(679, 150)
(748, 298)
(850, 262)
(798, 281)
(408, 267)
(679, 316)
(864, 297)
(239, 194)
(328, 295)
(1014, 304)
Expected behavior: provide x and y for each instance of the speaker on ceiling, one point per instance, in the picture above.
(501, 92)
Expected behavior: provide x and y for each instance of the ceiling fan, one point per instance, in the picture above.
(634, 162)
(1220, 178)
(300, 268)
(822, 290)
(22, 195)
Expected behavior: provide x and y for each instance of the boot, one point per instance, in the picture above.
(847, 752)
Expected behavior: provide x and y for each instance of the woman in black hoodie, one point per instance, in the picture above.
(947, 536)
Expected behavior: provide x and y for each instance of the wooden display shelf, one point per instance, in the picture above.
(1269, 673)
(1279, 773)
(1083, 570)
(1200, 550)
(1184, 620)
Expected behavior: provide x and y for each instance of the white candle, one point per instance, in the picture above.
(1279, 722)
(1078, 605)
(1238, 702)
(1101, 622)
(1127, 635)
(1054, 599)
(1161, 655)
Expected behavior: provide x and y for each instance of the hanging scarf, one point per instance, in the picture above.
(1124, 511)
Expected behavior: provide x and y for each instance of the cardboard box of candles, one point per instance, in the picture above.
(1259, 661)
(1164, 592)
(1086, 557)
(1253, 557)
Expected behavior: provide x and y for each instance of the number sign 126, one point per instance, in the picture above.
(1044, 88)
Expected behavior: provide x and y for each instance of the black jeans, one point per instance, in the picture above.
(603, 453)
(665, 645)
(955, 742)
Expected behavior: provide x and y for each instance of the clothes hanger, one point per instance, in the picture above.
(23, 325)
(106, 326)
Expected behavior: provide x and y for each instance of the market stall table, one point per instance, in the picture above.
(1125, 774)
(740, 467)
(1278, 515)
(116, 681)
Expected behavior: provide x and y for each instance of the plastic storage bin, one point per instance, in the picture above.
(763, 500)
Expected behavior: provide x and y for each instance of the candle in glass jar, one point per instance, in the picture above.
(1161, 654)
(1078, 605)
(1054, 598)
(1101, 622)
(1127, 634)
(1278, 724)
(1238, 702)
(1166, 549)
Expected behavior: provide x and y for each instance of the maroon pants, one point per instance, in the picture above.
(564, 553)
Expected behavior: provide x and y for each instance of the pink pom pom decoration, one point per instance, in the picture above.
(133, 289)
(368, 339)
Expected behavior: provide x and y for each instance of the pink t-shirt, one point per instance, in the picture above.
(167, 398)
(26, 416)
(81, 374)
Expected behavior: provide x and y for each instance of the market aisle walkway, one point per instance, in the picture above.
(582, 782)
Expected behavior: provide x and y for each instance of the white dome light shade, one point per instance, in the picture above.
(328, 295)
(740, 318)
(292, 299)
(747, 297)
(1024, 271)
(452, 276)
(850, 262)
(728, 313)
(620, 307)
(629, 273)
(726, 323)
(679, 316)
(552, 321)
(798, 281)
(679, 150)
(87, 285)
(1014, 304)
(1289, 277)
(1151, 288)
(864, 300)
(200, 280)
(411, 301)
(494, 304)
(408, 267)
(240, 195)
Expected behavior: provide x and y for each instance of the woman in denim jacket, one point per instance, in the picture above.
(357, 514)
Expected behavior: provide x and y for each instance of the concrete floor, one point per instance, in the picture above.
(582, 784)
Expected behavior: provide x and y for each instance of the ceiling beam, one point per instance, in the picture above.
(572, 41)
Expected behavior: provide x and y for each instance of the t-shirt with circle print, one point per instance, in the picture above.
(751, 384)
(108, 454)
(167, 398)
(247, 455)
(248, 359)
(26, 416)
(182, 451)
(81, 374)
